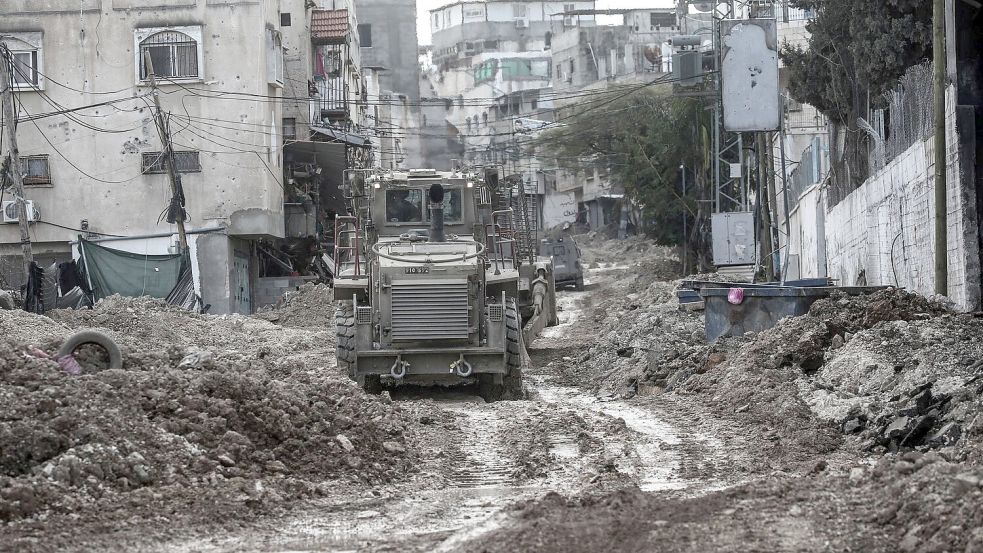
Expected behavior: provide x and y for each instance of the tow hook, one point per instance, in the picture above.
(398, 370)
(461, 367)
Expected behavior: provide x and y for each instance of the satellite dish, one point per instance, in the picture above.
(653, 53)
(703, 6)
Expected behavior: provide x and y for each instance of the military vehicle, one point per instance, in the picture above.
(436, 282)
(560, 245)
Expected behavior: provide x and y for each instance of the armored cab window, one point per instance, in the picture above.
(404, 206)
(559, 251)
(452, 206)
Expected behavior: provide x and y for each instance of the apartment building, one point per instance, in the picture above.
(99, 172)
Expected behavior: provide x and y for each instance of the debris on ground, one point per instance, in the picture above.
(224, 413)
(864, 420)
(310, 306)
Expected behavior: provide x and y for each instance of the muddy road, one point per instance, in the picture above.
(481, 459)
(856, 427)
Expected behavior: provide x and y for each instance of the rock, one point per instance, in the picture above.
(346, 444)
(7, 300)
(225, 460)
(276, 466)
(141, 475)
(233, 437)
(385, 397)
(836, 342)
(393, 447)
(898, 428)
(197, 360)
(946, 436)
(853, 426)
(820, 466)
(857, 474)
(922, 425)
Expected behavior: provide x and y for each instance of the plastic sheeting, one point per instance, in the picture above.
(128, 274)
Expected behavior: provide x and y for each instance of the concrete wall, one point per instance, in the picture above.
(269, 290)
(96, 174)
(89, 56)
(394, 44)
(885, 229)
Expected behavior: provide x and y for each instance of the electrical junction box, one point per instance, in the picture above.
(733, 238)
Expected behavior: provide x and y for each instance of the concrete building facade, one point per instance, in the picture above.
(99, 171)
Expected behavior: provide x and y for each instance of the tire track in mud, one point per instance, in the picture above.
(490, 456)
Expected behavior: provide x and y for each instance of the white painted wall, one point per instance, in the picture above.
(886, 227)
(97, 174)
(559, 207)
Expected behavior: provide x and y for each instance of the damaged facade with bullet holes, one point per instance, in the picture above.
(262, 108)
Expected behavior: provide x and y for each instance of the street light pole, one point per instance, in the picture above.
(682, 169)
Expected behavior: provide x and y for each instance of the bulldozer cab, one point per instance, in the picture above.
(399, 204)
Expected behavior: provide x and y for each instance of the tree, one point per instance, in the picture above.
(857, 51)
(641, 138)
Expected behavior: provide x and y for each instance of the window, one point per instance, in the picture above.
(289, 128)
(156, 162)
(25, 49)
(436, 21)
(35, 169)
(474, 12)
(274, 57)
(662, 19)
(559, 251)
(284, 19)
(485, 71)
(404, 206)
(569, 20)
(525, 68)
(519, 11)
(365, 35)
(452, 206)
(173, 53)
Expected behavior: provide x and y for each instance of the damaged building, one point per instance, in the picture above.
(100, 174)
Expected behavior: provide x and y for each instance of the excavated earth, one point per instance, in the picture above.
(856, 427)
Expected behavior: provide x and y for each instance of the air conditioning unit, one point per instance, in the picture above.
(10, 211)
(521, 23)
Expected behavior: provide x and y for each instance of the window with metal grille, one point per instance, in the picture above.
(172, 54)
(35, 169)
(185, 162)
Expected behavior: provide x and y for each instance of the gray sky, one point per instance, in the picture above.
(423, 7)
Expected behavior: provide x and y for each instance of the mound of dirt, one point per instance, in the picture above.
(213, 412)
(311, 306)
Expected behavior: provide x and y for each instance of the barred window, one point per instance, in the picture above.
(185, 162)
(172, 54)
(35, 169)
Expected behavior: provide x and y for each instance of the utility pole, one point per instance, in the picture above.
(941, 215)
(177, 193)
(16, 172)
(764, 208)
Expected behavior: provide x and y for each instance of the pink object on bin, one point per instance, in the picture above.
(735, 296)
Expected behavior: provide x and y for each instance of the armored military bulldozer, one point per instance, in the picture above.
(434, 284)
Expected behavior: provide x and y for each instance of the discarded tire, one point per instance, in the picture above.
(85, 337)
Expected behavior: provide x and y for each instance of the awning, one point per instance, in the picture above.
(345, 137)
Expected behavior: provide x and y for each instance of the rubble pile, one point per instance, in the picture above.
(310, 306)
(206, 410)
